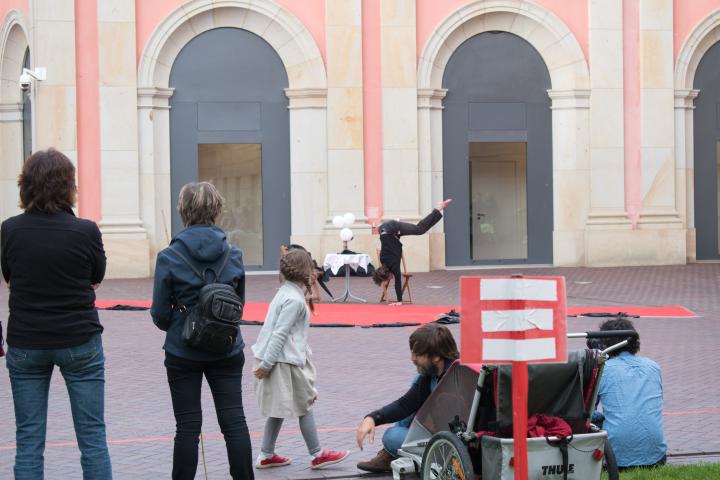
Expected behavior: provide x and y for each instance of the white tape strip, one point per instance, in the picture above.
(516, 320)
(518, 289)
(518, 350)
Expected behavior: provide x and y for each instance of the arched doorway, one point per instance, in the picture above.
(229, 124)
(15, 111)
(497, 153)
(706, 136)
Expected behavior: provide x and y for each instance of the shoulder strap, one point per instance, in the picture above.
(187, 262)
(195, 269)
(225, 261)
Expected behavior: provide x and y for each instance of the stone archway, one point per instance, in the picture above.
(307, 94)
(570, 94)
(13, 45)
(703, 36)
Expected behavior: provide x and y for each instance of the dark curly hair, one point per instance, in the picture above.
(47, 182)
(381, 274)
(619, 323)
(434, 340)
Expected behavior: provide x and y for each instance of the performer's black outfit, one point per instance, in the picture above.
(391, 248)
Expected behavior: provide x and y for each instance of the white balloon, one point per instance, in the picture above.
(349, 219)
(346, 234)
(338, 221)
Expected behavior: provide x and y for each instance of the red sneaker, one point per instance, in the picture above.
(274, 461)
(327, 458)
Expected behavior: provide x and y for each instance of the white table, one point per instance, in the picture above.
(334, 261)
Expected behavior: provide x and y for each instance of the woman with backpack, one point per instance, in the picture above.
(200, 256)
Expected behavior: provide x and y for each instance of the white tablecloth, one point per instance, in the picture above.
(334, 261)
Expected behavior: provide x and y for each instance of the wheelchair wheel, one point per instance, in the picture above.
(611, 462)
(446, 457)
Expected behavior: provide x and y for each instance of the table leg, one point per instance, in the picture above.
(347, 294)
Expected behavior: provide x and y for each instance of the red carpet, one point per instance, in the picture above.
(369, 314)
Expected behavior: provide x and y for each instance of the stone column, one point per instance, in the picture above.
(125, 237)
(52, 33)
(430, 163)
(309, 174)
(401, 168)
(685, 167)
(345, 163)
(153, 117)
(607, 156)
(657, 103)
(11, 129)
(571, 174)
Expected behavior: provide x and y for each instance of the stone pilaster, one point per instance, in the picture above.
(125, 237)
(685, 167)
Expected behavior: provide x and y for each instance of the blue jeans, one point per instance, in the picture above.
(394, 436)
(83, 368)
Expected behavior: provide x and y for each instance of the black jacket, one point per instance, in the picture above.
(175, 284)
(410, 402)
(391, 247)
(51, 261)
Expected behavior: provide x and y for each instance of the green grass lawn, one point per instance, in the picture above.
(672, 472)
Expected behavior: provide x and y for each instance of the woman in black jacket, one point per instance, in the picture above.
(53, 262)
(391, 248)
(175, 293)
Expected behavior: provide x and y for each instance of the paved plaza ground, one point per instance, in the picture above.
(361, 369)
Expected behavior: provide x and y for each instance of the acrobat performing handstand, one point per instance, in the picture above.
(391, 248)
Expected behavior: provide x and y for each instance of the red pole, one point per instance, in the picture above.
(519, 402)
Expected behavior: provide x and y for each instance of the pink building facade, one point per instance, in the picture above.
(569, 133)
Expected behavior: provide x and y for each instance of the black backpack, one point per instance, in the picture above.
(213, 324)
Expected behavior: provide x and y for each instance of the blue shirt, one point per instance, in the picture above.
(632, 399)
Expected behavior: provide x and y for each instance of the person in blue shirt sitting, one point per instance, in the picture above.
(631, 395)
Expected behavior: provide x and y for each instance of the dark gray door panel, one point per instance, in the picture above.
(706, 138)
(229, 89)
(497, 92)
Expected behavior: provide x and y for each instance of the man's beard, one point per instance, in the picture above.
(429, 370)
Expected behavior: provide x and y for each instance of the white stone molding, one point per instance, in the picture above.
(685, 164)
(154, 153)
(11, 112)
(306, 97)
(429, 106)
(307, 93)
(431, 98)
(13, 44)
(283, 31)
(703, 36)
(570, 83)
(538, 26)
(569, 99)
(154, 98)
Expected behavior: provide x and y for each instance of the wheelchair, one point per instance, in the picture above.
(464, 429)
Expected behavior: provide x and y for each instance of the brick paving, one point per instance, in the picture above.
(360, 369)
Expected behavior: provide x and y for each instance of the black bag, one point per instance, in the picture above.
(213, 324)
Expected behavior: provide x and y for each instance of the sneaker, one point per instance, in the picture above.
(327, 458)
(274, 461)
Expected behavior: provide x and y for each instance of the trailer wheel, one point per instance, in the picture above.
(446, 457)
(611, 462)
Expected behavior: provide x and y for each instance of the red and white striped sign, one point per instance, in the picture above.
(513, 319)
